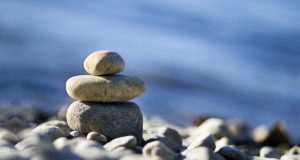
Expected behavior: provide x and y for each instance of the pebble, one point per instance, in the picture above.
(8, 136)
(269, 152)
(224, 141)
(51, 131)
(117, 88)
(204, 140)
(215, 126)
(104, 62)
(170, 137)
(60, 124)
(275, 136)
(32, 141)
(232, 153)
(110, 119)
(63, 112)
(95, 136)
(76, 134)
(201, 153)
(9, 154)
(159, 149)
(135, 157)
(293, 154)
(263, 158)
(127, 141)
(63, 143)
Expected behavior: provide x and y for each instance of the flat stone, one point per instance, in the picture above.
(127, 142)
(205, 140)
(158, 149)
(104, 62)
(117, 88)
(113, 120)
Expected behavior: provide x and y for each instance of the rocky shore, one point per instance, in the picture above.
(102, 124)
(209, 139)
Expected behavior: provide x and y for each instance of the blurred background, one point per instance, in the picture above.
(231, 58)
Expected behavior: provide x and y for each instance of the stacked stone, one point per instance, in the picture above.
(102, 98)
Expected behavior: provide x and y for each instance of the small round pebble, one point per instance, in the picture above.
(95, 136)
(104, 62)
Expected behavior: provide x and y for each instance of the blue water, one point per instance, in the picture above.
(227, 58)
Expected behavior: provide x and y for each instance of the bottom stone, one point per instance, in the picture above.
(110, 119)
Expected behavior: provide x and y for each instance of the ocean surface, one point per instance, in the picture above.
(230, 58)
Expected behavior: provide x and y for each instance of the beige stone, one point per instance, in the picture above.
(117, 88)
(104, 62)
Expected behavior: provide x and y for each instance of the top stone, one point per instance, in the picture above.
(104, 62)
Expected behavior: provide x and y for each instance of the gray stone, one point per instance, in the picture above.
(201, 153)
(205, 140)
(104, 62)
(117, 88)
(159, 149)
(95, 136)
(170, 137)
(232, 153)
(110, 119)
(269, 152)
(127, 141)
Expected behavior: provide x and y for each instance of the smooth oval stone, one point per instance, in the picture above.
(113, 120)
(117, 88)
(104, 63)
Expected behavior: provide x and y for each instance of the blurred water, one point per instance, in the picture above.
(229, 58)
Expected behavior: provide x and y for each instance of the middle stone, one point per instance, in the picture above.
(116, 88)
(110, 119)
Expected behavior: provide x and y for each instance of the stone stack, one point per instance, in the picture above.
(102, 97)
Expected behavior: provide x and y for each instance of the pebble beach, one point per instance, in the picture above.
(103, 124)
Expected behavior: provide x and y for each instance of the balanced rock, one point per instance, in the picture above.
(117, 88)
(113, 120)
(104, 63)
